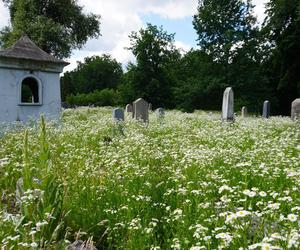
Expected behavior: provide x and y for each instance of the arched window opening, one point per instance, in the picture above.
(30, 91)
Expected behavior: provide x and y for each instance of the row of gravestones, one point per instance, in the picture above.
(139, 110)
(228, 110)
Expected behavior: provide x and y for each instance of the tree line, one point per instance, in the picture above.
(259, 61)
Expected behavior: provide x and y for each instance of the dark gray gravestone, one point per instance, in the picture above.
(244, 112)
(118, 114)
(266, 109)
(227, 106)
(295, 112)
(141, 110)
(64, 105)
(160, 112)
(129, 108)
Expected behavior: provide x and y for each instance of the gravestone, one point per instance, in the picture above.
(227, 106)
(266, 109)
(141, 110)
(160, 112)
(64, 105)
(295, 112)
(128, 108)
(150, 107)
(81, 245)
(118, 114)
(133, 110)
(244, 112)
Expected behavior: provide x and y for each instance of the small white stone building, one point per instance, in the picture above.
(29, 82)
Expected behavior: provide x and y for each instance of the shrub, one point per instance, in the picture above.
(105, 97)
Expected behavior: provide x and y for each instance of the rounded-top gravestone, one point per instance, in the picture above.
(244, 112)
(295, 112)
(128, 108)
(266, 109)
(160, 112)
(227, 106)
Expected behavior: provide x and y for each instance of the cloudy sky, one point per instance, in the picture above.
(119, 18)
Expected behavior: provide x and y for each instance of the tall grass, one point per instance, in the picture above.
(184, 182)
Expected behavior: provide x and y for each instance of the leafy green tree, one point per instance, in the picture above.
(56, 26)
(126, 87)
(152, 77)
(282, 31)
(228, 33)
(222, 26)
(95, 73)
(200, 82)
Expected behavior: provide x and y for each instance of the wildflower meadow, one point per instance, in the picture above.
(185, 181)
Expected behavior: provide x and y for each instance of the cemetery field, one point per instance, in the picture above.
(183, 182)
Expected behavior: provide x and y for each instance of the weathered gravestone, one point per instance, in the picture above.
(141, 110)
(266, 109)
(227, 106)
(133, 110)
(295, 112)
(118, 114)
(129, 108)
(160, 112)
(81, 245)
(244, 112)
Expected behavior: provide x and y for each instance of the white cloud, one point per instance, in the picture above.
(259, 9)
(4, 15)
(119, 18)
(183, 47)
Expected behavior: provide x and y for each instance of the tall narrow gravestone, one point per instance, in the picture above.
(141, 110)
(128, 108)
(295, 112)
(244, 112)
(118, 114)
(227, 106)
(266, 109)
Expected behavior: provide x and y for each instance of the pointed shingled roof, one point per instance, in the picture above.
(26, 49)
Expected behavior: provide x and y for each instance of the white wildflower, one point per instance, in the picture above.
(242, 213)
(249, 193)
(292, 217)
(262, 194)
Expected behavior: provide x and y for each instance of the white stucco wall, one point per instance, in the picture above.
(10, 108)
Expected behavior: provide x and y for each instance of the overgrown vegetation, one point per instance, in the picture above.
(56, 26)
(259, 62)
(104, 97)
(185, 182)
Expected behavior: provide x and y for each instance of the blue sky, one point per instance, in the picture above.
(120, 17)
(183, 27)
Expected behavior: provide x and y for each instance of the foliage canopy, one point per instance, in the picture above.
(155, 52)
(95, 73)
(57, 26)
